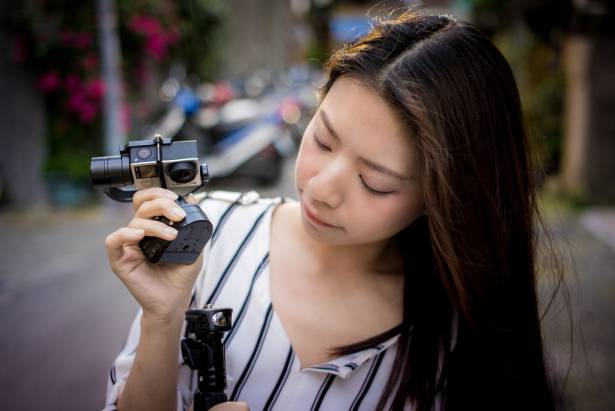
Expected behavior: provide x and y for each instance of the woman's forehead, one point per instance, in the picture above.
(360, 117)
(351, 104)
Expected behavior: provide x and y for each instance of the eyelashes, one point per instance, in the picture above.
(370, 190)
(321, 145)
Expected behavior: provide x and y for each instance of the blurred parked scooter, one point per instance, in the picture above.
(246, 136)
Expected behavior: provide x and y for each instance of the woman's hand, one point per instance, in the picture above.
(162, 290)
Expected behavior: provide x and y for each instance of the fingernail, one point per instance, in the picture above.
(178, 212)
(170, 232)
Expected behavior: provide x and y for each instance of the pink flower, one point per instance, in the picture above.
(79, 40)
(156, 47)
(157, 40)
(76, 101)
(49, 81)
(72, 83)
(145, 25)
(96, 89)
(82, 40)
(87, 112)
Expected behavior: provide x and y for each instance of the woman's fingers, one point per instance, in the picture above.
(154, 228)
(124, 236)
(149, 194)
(162, 206)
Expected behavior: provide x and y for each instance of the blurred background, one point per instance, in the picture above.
(80, 78)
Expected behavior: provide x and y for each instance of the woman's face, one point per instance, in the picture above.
(356, 171)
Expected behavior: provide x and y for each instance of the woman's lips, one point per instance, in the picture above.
(314, 218)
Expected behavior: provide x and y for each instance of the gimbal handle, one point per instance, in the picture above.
(204, 352)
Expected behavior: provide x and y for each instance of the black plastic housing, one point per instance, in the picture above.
(194, 231)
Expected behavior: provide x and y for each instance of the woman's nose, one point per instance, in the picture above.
(328, 185)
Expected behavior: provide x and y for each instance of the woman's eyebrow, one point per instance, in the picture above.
(325, 120)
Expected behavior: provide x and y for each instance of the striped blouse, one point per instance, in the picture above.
(262, 368)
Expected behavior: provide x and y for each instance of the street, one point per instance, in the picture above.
(64, 314)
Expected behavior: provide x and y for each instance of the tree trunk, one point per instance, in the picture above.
(22, 135)
(588, 166)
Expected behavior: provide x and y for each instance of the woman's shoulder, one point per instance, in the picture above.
(220, 205)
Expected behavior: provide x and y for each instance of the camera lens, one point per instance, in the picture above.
(182, 172)
(111, 171)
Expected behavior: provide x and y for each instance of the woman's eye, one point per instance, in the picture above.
(321, 145)
(371, 190)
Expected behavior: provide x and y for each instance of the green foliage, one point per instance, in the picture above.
(540, 79)
(528, 34)
(58, 43)
(167, 31)
(316, 54)
(202, 31)
(71, 150)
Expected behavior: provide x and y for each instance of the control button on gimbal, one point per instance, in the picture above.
(144, 153)
(219, 319)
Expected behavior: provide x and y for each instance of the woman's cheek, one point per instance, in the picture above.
(381, 218)
(306, 166)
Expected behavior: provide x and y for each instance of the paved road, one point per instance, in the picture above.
(62, 312)
(589, 238)
(64, 315)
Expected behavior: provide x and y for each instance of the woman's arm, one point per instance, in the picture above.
(152, 381)
(163, 291)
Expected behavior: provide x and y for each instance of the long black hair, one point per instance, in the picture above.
(471, 335)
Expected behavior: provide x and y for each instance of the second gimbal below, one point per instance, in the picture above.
(204, 351)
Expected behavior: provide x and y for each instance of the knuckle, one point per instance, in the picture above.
(161, 202)
(164, 206)
(109, 239)
(137, 199)
(143, 196)
(136, 222)
(144, 207)
(155, 206)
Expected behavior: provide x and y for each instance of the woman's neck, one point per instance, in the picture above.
(346, 260)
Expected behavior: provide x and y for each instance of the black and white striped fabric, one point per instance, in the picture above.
(262, 368)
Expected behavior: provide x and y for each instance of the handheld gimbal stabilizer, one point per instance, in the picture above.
(159, 162)
(174, 165)
(203, 351)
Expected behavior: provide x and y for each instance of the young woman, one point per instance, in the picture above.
(403, 278)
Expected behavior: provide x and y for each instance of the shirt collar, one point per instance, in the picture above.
(347, 364)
